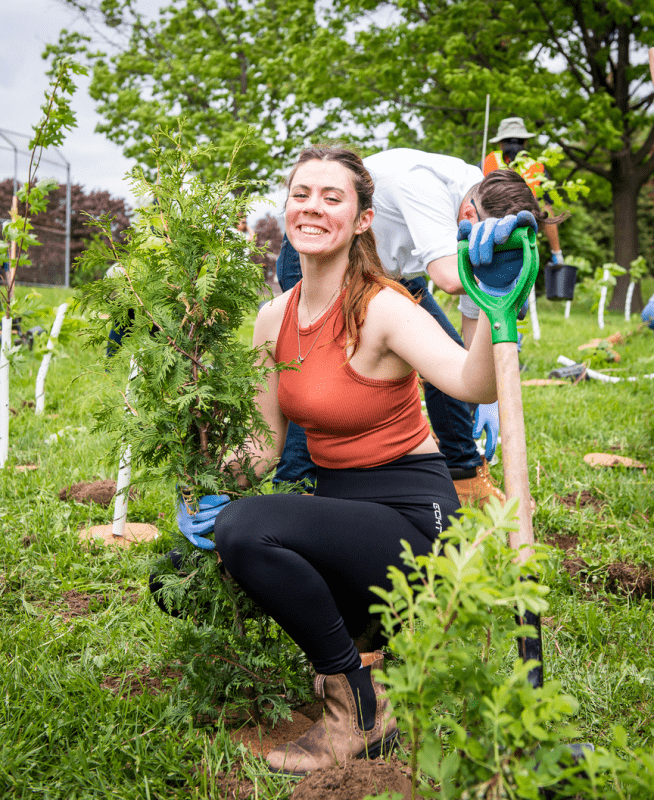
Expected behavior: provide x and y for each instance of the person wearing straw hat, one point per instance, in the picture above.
(512, 136)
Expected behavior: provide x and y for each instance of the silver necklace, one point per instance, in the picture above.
(306, 305)
(301, 357)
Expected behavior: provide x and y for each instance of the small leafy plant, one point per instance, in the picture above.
(476, 726)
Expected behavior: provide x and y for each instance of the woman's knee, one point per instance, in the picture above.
(237, 527)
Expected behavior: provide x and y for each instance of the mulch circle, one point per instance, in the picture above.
(133, 533)
(610, 460)
(354, 780)
(100, 492)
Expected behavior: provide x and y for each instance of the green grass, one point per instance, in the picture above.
(62, 735)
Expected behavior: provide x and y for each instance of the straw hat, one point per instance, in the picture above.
(512, 128)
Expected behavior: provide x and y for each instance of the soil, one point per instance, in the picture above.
(135, 683)
(566, 543)
(100, 492)
(83, 605)
(581, 499)
(621, 578)
(354, 781)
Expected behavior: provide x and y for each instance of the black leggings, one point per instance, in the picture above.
(309, 561)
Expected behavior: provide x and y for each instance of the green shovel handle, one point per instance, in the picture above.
(503, 311)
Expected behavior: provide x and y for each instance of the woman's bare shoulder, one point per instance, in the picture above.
(389, 301)
(270, 317)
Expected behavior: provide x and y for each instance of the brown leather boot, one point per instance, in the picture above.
(337, 737)
(476, 491)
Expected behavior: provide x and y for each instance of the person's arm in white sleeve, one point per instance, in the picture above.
(430, 213)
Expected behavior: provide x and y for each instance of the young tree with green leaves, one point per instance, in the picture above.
(224, 66)
(50, 131)
(183, 284)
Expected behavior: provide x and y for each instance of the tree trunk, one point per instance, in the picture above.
(625, 220)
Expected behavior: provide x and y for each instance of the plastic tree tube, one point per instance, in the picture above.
(45, 363)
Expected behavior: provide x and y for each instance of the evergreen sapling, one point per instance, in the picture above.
(184, 286)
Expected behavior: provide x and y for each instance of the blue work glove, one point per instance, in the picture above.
(647, 313)
(488, 417)
(557, 257)
(194, 525)
(489, 232)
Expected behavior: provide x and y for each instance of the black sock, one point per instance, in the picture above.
(458, 474)
(365, 698)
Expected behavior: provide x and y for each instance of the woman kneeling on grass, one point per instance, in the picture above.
(359, 339)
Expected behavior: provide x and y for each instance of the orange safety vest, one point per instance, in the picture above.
(533, 175)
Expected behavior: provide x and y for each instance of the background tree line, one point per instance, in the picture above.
(50, 228)
(397, 73)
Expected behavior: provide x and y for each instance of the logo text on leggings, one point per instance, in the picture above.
(438, 518)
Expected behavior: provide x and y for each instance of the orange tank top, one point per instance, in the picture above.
(350, 420)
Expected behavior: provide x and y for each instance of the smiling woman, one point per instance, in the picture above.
(357, 338)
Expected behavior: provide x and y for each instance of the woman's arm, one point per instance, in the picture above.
(414, 335)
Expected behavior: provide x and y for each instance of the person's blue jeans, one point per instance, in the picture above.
(450, 418)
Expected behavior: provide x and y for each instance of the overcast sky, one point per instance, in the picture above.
(95, 162)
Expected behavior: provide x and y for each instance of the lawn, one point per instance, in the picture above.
(91, 698)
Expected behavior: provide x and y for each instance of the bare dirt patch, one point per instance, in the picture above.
(618, 578)
(566, 543)
(582, 499)
(632, 579)
(132, 684)
(83, 605)
(100, 492)
(354, 781)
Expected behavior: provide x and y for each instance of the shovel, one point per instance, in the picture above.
(502, 313)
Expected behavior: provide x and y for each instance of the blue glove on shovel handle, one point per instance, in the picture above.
(518, 259)
(490, 232)
(487, 416)
(195, 524)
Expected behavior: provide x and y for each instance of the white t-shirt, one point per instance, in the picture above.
(416, 201)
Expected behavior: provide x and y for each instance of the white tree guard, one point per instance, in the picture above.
(124, 472)
(568, 306)
(533, 313)
(39, 401)
(627, 302)
(4, 390)
(602, 300)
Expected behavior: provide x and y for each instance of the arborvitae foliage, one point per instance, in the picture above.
(182, 286)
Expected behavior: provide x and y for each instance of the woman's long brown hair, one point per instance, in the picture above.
(365, 275)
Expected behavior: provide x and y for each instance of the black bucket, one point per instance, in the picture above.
(560, 281)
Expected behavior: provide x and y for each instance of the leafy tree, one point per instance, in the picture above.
(576, 71)
(407, 72)
(85, 208)
(223, 65)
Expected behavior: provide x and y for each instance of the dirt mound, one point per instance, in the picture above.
(581, 499)
(100, 492)
(135, 683)
(632, 579)
(354, 781)
(620, 577)
(566, 543)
